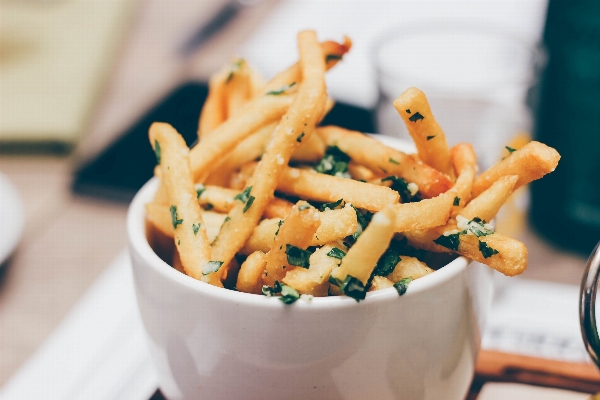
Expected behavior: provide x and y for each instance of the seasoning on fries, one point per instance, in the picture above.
(270, 203)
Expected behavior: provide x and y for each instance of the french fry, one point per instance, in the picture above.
(465, 165)
(314, 280)
(386, 160)
(312, 185)
(190, 234)
(335, 225)
(249, 278)
(361, 259)
(488, 203)
(510, 259)
(529, 163)
(223, 199)
(238, 88)
(306, 109)
(264, 109)
(311, 150)
(361, 173)
(409, 266)
(413, 107)
(213, 111)
(380, 282)
(176, 262)
(297, 230)
(277, 208)
(423, 214)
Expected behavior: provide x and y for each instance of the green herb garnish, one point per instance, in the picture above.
(486, 250)
(200, 188)
(400, 185)
(281, 89)
(415, 117)
(196, 228)
(211, 266)
(332, 57)
(299, 138)
(450, 241)
(510, 149)
(208, 206)
(402, 285)
(288, 294)
(477, 227)
(430, 137)
(296, 256)
(243, 197)
(270, 291)
(279, 226)
(363, 221)
(234, 68)
(174, 218)
(336, 253)
(304, 207)
(249, 203)
(456, 201)
(334, 162)
(408, 111)
(393, 161)
(387, 262)
(332, 206)
(227, 218)
(354, 288)
(157, 151)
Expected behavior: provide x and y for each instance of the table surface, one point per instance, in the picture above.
(68, 240)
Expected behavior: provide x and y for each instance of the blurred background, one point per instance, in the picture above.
(81, 80)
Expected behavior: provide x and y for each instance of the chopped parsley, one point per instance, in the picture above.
(174, 218)
(299, 138)
(296, 256)
(510, 149)
(334, 281)
(486, 250)
(208, 206)
(270, 291)
(401, 186)
(243, 197)
(450, 241)
(393, 161)
(234, 68)
(279, 227)
(227, 218)
(332, 206)
(402, 285)
(288, 294)
(387, 262)
(200, 188)
(363, 221)
(415, 117)
(354, 288)
(281, 89)
(332, 57)
(157, 151)
(478, 228)
(304, 207)
(249, 203)
(336, 253)
(196, 228)
(430, 137)
(334, 162)
(456, 201)
(408, 111)
(211, 266)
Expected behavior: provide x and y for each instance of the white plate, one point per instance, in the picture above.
(12, 218)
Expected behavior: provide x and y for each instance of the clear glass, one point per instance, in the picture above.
(477, 79)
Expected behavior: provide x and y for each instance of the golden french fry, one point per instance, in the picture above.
(190, 233)
(488, 203)
(502, 253)
(238, 88)
(278, 208)
(423, 214)
(380, 282)
(303, 114)
(294, 236)
(213, 111)
(529, 163)
(384, 159)
(314, 280)
(249, 278)
(311, 150)
(413, 107)
(176, 262)
(312, 185)
(409, 266)
(335, 225)
(361, 173)
(362, 257)
(262, 110)
(465, 165)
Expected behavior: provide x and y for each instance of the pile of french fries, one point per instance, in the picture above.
(269, 202)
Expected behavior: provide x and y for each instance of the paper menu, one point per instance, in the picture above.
(54, 57)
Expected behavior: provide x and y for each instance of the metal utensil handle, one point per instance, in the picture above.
(587, 306)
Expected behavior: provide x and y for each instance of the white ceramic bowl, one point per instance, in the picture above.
(214, 343)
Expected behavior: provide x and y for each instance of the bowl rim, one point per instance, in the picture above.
(138, 242)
